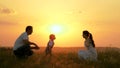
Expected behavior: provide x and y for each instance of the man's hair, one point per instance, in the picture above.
(28, 28)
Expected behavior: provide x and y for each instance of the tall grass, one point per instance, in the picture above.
(62, 58)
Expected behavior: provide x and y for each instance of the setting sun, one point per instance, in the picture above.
(56, 29)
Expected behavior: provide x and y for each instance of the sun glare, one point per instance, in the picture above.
(56, 29)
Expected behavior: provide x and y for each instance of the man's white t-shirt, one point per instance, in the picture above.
(19, 42)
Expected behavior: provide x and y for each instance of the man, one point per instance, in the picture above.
(22, 47)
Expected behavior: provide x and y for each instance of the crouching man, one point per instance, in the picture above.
(22, 48)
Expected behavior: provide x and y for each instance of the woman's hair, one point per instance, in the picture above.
(89, 35)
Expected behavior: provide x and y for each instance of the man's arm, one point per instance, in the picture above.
(31, 43)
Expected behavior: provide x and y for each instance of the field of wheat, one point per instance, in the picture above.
(61, 58)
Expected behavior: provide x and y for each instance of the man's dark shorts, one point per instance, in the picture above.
(23, 51)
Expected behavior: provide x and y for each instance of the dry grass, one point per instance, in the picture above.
(62, 58)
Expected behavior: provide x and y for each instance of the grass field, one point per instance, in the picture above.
(62, 58)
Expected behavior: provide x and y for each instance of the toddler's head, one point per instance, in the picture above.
(52, 37)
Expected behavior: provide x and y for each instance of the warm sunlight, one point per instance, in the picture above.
(64, 18)
(56, 29)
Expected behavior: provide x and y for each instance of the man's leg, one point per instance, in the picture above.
(19, 53)
(28, 51)
(23, 51)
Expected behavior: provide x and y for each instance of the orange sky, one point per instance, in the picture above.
(100, 17)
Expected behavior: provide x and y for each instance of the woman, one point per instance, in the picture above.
(90, 52)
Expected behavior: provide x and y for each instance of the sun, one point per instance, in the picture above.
(56, 29)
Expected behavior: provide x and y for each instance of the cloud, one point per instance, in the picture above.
(6, 11)
(2, 23)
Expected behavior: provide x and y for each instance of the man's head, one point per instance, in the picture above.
(29, 30)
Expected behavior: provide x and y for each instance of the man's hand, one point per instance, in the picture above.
(36, 46)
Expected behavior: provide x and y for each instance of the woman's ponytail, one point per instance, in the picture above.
(90, 36)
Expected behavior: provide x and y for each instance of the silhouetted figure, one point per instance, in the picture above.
(22, 48)
(50, 44)
(90, 52)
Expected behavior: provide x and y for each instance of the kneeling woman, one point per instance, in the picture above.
(90, 53)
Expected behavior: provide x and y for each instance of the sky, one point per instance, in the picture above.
(64, 18)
